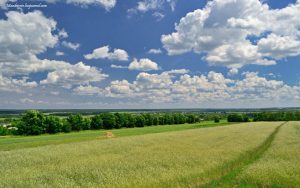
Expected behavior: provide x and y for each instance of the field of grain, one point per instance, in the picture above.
(19, 142)
(169, 159)
(280, 165)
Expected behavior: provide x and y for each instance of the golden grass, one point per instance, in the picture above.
(171, 159)
(280, 165)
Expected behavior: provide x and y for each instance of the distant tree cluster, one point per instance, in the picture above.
(34, 122)
(237, 117)
(277, 116)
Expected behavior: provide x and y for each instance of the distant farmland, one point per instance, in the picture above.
(262, 154)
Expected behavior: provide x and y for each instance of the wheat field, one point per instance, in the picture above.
(280, 165)
(170, 159)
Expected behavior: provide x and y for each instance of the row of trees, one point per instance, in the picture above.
(34, 122)
(277, 116)
(237, 118)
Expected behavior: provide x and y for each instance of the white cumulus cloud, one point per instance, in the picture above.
(104, 53)
(221, 32)
(143, 64)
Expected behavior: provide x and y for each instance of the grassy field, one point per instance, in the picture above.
(15, 142)
(280, 165)
(167, 159)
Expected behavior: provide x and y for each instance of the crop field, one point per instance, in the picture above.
(280, 165)
(261, 154)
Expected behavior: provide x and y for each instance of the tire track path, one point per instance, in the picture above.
(225, 176)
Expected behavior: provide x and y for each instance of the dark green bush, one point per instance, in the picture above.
(53, 124)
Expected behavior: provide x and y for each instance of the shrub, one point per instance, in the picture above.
(217, 120)
(31, 123)
(3, 131)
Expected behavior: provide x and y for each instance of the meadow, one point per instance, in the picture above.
(238, 155)
(16, 142)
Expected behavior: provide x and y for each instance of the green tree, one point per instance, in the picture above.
(139, 121)
(109, 120)
(97, 122)
(53, 124)
(76, 121)
(31, 123)
(66, 126)
(217, 120)
(87, 123)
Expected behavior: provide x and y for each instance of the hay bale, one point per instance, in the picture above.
(109, 135)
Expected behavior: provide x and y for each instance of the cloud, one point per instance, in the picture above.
(156, 6)
(233, 72)
(106, 4)
(77, 74)
(59, 53)
(62, 33)
(16, 85)
(143, 65)
(210, 88)
(73, 46)
(154, 51)
(4, 2)
(221, 32)
(279, 47)
(118, 66)
(23, 37)
(158, 15)
(87, 90)
(177, 71)
(104, 53)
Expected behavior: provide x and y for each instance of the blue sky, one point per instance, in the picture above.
(150, 54)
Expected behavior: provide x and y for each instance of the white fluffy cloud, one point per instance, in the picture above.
(107, 4)
(205, 88)
(15, 85)
(74, 75)
(104, 53)
(222, 28)
(143, 64)
(26, 35)
(73, 46)
(279, 46)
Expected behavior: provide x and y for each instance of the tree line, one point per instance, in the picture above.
(34, 122)
(277, 116)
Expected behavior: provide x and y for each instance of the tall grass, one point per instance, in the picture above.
(169, 159)
(17, 142)
(280, 165)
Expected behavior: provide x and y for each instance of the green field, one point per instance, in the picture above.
(262, 154)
